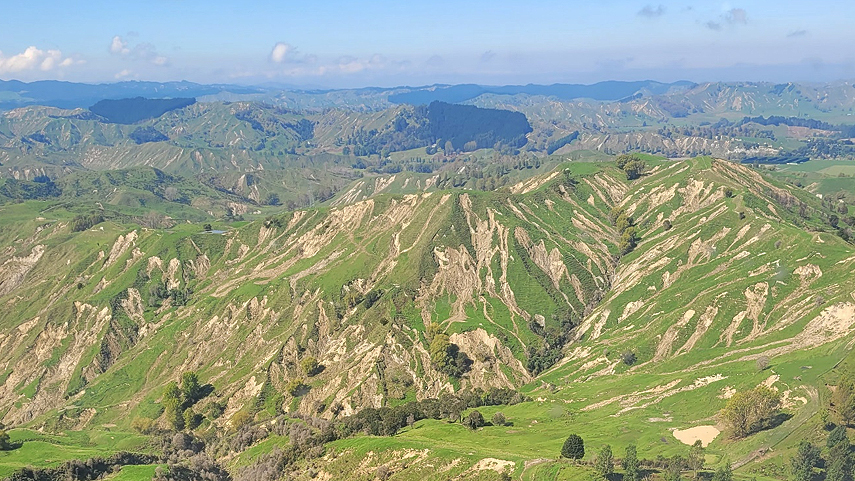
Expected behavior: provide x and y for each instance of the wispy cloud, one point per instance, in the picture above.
(33, 58)
(797, 33)
(734, 16)
(141, 51)
(488, 56)
(123, 74)
(650, 11)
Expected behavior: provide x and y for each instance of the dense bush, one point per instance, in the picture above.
(143, 135)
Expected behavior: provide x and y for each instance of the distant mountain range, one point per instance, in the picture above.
(69, 95)
(610, 90)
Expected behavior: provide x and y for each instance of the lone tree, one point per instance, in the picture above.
(605, 462)
(574, 447)
(499, 419)
(747, 411)
(630, 464)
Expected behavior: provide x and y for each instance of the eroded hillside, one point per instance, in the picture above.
(102, 319)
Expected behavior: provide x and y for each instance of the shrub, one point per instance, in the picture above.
(241, 419)
(310, 366)
(383, 472)
(746, 411)
(498, 419)
(5, 443)
(142, 425)
(628, 358)
(474, 420)
(294, 387)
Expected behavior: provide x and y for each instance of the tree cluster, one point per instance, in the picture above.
(631, 165)
(447, 356)
(178, 401)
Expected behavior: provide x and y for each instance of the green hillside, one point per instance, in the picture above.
(731, 280)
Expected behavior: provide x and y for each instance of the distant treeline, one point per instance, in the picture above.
(39, 188)
(790, 121)
(557, 144)
(608, 90)
(131, 111)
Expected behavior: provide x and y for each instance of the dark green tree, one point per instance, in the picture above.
(174, 406)
(802, 464)
(839, 457)
(574, 447)
(190, 388)
(605, 462)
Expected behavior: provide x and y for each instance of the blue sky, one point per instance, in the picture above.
(386, 43)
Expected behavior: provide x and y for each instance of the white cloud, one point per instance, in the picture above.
(280, 52)
(286, 53)
(119, 46)
(141, 51)
(123, 74)
(33, 58)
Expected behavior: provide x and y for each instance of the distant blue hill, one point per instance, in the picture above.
(607, 91)
(70, 95)
(131, 111)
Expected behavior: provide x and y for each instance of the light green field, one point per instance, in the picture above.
(50, 450)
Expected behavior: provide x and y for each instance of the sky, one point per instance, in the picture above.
(341, 44)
